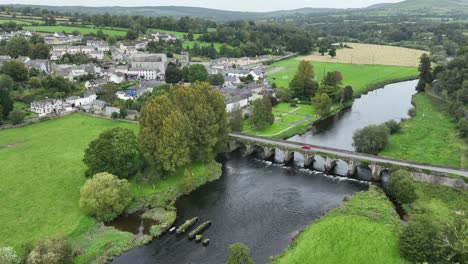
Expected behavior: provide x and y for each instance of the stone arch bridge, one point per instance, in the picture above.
(376, 164)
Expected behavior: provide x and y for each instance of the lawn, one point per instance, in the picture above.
(70, 29)
(359, 76)
(189, 44)
(290, 118)
(41, 172)
(179, 35)
(363, 230)
(430, 137)
(18, 21)
(268, 131)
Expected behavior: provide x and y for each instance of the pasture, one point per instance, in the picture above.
(70, 29)
(372, 55)
(359, 76)
(41, 172)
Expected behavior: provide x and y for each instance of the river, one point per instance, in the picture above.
(264, 205)
(375, 107)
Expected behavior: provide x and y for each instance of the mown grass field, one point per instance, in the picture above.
(41, 171)
(178, 34)
(363, 230)
(359, 76)
(189, 44)
(18, 21)
(373, 55)
(70, 29)
(430, 137)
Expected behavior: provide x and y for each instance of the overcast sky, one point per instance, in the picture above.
(238, 5)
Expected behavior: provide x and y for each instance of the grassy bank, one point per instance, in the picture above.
(70, 29)
(42, 172)
(430, 137)
(359, 76)
(362, 230)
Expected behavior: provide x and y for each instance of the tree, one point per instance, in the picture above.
(322, 103)
(401, 187)
(173, 73)
(55, 250)
(332, 52)
(216, 79)
(236, 120)
(262, 114)
(9, 256)
(105, 196)
(393, 126)
(6, 103)
(16, 116)
(108, 92)
(425, 70)
(123, 113)
(323, 50)
(418, 242)
(332, 79)
(15, 69)
(197, 72)
(371, 139)
(187, 182)
(114, 115)
(115, 151)
(303, 85)
(332, 91)
(40, 51)
(463, 127)
(7, 83)
(17, 46)
(347, 94)
(239, 254)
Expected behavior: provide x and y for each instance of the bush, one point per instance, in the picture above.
(51, 251)
(463, 127)
(393, 126)
(401, 187)
(16, 116)
(371, 139)
(239, 253)
(412, 112)
(8, 256)
(115, 151)
(105, 196)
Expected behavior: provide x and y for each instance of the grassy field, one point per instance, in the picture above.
(18, 21)
(363, 230)
(189, 44)
(430, 137)
(359, 76)
(41, 172)
(70, 29)
(372, 54)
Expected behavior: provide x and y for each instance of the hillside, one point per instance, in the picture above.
(426, 5)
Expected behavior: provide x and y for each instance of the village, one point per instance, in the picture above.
(127, 65)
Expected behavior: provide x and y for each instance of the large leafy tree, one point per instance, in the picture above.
(401, 187)
(371, 139)
(105, 196)
(425, 72)
(18, 46)
(6, 103)
(322, 103)
(16, 70)
(303, 85)
(115, 151)
(173, 73)
(197, 72)
(262, 114)
(56, 250)
(239, 254)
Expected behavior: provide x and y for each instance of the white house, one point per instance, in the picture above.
(88, 98)
(47, 106)
(109, 110)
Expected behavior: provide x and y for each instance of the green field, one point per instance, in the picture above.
(430, 137)
(358, 76)
(70, 29)
(363, 230)
(189, 44)
(18, 21)
(42, 171)
(178, 34)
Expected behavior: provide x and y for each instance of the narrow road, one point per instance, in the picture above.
(351, 155)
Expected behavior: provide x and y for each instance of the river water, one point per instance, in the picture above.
(260, 204)
(264, 205)
(375, 107)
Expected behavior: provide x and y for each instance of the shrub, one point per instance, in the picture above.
(105, 196)
(393, 126)
(412, 112)
(51, 251)
(115, 151)
(371, 139)
(16, 116)
(239, 253)
(8, 256)
(463, 127)
(401, 187)
(293, 105)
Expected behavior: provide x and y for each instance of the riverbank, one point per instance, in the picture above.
(430, 137)
(362, 230)
(42, 172)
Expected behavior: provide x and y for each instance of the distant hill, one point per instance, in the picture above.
(460, 6)
(179, 11)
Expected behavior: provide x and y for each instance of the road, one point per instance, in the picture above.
(350, 154)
